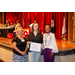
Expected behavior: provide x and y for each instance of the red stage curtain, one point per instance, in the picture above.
(29, 17)
(26, 19)
(32, 17)
(42, 18)
(43, 21)
(37, 16)
(13, 17)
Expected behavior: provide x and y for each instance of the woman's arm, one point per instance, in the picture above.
(42, 46)
(14, 46)
(28, 42)
(54, 49)
(26, 49)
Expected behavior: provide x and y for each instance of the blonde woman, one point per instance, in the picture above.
(16, 26)
(20, 46)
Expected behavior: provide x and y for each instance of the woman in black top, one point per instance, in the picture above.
(20, 46)
(37, 37)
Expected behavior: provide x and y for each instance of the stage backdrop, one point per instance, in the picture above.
(42, 18)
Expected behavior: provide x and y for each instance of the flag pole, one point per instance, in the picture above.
(24, 19)
(19, 18)
(12, 17)
(64, 27)
(28, 19)
(42, 24)
(15, 17)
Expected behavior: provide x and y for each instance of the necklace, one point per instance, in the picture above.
(46, 38)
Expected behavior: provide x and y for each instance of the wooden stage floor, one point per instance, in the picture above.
(65, 45)
(61, 44)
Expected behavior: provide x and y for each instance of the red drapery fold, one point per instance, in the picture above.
(43, 22)
(42, 18)
(32, 17)
(37, 16)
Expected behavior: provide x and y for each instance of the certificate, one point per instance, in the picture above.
(35, 47)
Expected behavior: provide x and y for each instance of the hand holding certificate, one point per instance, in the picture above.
(35, 47)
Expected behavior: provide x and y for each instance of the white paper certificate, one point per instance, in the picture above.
(35, 47)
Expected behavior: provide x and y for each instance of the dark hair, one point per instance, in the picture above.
(48, 25)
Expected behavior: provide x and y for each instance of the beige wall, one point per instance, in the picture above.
(5, 55)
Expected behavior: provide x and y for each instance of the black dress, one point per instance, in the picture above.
(19, 44)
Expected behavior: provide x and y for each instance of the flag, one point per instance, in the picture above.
(12, 20)
(52, 16)
(52, 24)
(23, 23)
(64, 29)
(19, 19)
(28, 19)
(52, 21)
(28, 22)
(35, 18)
(39, 20)
(12, 17)
(15, 17)
(37, 15)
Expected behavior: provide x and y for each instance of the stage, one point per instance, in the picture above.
(63, 46)
(66, 51)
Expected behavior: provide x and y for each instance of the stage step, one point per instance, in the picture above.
(1, 60)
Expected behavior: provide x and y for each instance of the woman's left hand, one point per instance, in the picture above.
(42, 46)
(40, 52)
(26, 50)
(52, 54)
(23, 52)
